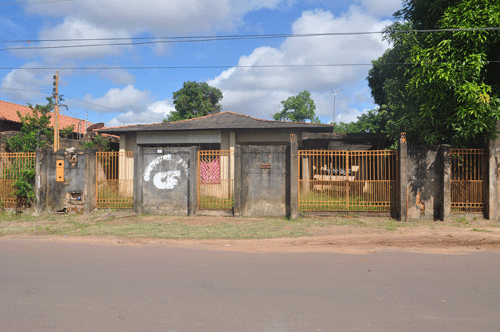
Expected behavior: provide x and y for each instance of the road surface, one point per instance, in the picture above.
(61, 286)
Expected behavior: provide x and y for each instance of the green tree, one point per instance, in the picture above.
(447, 91)
(194, 100)
(298, 108)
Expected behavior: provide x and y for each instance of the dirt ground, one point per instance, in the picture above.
(430, 237)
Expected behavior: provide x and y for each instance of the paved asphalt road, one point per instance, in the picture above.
(50, 286)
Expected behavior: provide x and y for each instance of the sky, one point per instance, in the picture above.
(100, 82)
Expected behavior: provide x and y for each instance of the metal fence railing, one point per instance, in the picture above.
(215, 179)
(115, 179)
(332, 180)
(469, 171)
(16, 168)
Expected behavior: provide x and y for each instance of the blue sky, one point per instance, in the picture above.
(122, 96)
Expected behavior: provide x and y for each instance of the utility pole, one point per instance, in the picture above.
(56, 111)
(334, 102)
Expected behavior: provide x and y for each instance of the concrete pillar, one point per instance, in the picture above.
(41, 173)
(493, 151)
(90, 187)
(294, 178)
(232, 144)
(193, 181)
(138, 179)
(446, 176)
(238, 207)
(403, 179)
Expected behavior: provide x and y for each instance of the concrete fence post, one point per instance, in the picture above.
(294, 178)
(138, 179)
(493, 178)
(193, 181)
(446, 158)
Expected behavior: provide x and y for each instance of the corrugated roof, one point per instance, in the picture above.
(8, 111)
(219, 121)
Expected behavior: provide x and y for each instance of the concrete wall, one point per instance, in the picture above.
(69, 188)
(165, 179)
(263, 181)
(424, 177)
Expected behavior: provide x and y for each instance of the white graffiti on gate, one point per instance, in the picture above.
(168, 179)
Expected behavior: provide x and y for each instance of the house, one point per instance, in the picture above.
(220, 131)
(9, 120)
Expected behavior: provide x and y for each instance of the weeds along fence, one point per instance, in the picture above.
(215, 179)
(17, 179)
(115, 179)
(332, 180)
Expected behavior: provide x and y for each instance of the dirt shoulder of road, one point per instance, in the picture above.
(340, 234)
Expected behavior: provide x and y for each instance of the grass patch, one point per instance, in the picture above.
(481, 230)
(128, 225)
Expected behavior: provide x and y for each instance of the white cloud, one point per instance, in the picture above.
(351, 115)
(24, 85)
(135, 105)
(128, 99)
(123, 19)
(154, 113)
(74, 28)
(118, 76)
(381, 8)
(256, 91)
(180, 16)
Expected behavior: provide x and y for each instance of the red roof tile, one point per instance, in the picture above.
(8, 111)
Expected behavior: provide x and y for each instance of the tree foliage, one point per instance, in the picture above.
(194, 100)
(298, 108)
(98, 142)
(375, 121)
(445, 90)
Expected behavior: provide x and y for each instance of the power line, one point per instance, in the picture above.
(31, 2)
(251, 36)
(37, 91)
(114, 109)
(234, 66)
(86, 102)
(192, 39)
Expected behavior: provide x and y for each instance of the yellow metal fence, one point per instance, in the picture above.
(115, 179)
(17, 166)
(469, 169)
(347, 180)
(215, 179)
